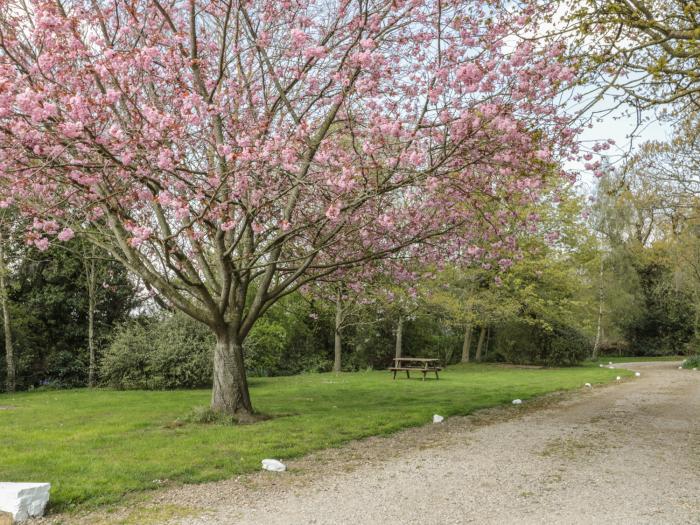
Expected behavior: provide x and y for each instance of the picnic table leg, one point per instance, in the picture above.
(424, 372)
(436, 374)
(394, 374)
(408, 375)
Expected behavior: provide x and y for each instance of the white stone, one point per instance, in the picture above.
(24, 500)
(273, 465)
(588, 385)
(517, 401)
(609, 362)
(618, 378)
(601, 365)
(680, 368)
(438, 419)
(695, 369)
(637, 374)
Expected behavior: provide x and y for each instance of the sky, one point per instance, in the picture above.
(626, 133)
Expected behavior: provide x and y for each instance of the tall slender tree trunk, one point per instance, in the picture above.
(488, 340)
(467, 343)
(399, 338)
(11, 371)
(690, 349)
(480, 344)
(230, 393)
(91, 282)
(337, 343)
(599, 331)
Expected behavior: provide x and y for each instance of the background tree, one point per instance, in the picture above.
(647, 51)
(50, 310)
(8, 231)
(642, 219)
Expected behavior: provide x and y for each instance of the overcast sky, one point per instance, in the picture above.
(624, 129)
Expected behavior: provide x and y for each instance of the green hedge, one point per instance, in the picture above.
(160, 353)
(537, 343)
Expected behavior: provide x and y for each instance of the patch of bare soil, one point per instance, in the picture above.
(623, 454)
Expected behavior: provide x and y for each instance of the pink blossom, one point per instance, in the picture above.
(72, 130)
(333, 211)
(42, 244)
(66, 234)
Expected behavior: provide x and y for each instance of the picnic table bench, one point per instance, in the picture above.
(415, 364)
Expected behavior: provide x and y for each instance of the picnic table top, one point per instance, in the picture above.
(420, 359)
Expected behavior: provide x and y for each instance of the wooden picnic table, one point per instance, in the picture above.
(416, 364)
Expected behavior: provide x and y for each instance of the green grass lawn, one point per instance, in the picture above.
(95, 446)
(606, 360)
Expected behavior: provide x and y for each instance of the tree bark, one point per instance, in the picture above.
(467, 343)
(11, 371)
(480, 344)
(230, 393)
(337, 343)
(599, 331)
(91, 282)
(488, 339)
(399, 338)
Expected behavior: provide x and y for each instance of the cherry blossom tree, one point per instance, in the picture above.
(230, 151)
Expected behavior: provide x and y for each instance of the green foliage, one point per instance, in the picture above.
(650, 297)
(174, 351)
(665, 324)
(692, 362)
(540, 344)
(95, 446)
(160, 353)
(308, 340)
(49, 309)
(264, 346)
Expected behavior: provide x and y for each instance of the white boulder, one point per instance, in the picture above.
(588, 385)
(618, 378)
(438, 419)
(637, 374)
(273, 465)
(517, 401)
(24, 500)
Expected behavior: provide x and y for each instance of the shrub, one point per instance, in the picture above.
(692, 362)
(264, 346)
(175, 351)
(539, 343)
(160, 353)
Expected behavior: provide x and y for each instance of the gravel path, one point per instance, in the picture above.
(621, 454)
(628, 453)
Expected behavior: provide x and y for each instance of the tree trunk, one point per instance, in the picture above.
(467, 343)
(337, 343)
(480, 344)
(488, 340)
(230, 393)
(11, 371)
(399, 338)
(91, 281)
(599, 332)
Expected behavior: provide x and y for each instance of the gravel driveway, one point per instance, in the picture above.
(621, 454)
(628, 453)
